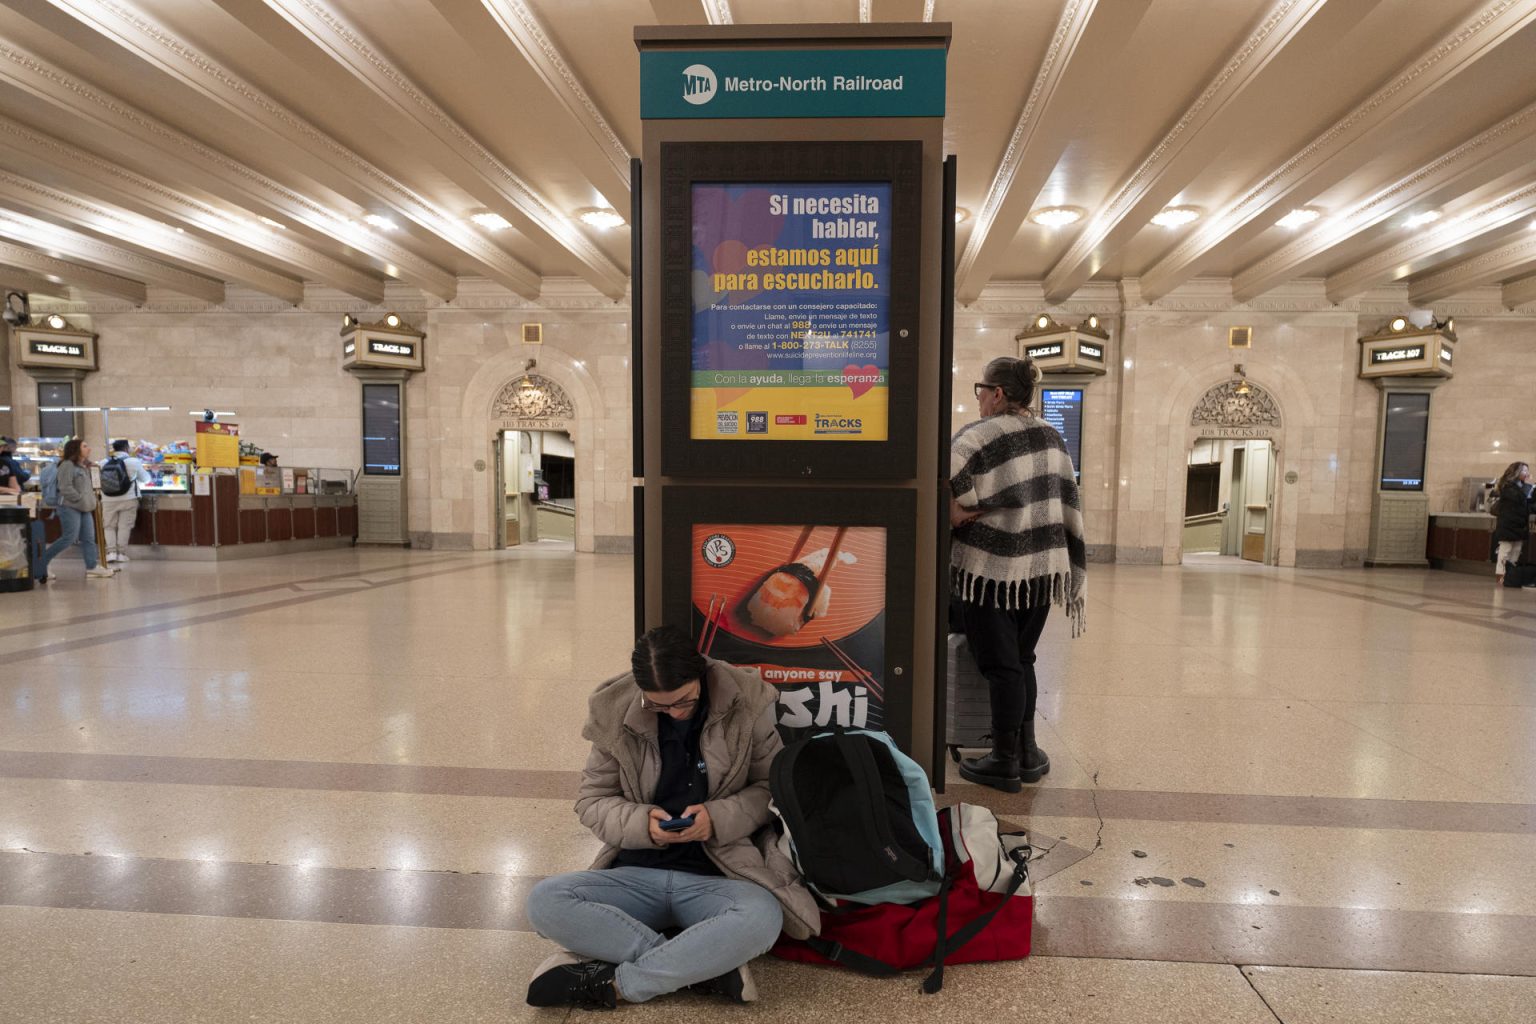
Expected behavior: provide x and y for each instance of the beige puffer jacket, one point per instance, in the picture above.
(738, 744)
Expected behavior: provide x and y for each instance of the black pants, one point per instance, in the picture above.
(1003, 643)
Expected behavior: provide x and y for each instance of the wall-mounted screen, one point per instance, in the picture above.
(790, 288)
(792, 302)
(1403, 442)
(1062, 408)
(381, 429)
(805, 605)
(804, 585)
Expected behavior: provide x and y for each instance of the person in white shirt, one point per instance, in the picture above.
(120, 508)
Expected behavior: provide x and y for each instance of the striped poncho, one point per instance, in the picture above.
(1029, 542)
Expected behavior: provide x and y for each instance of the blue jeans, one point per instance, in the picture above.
(618, 915)
(74, 526)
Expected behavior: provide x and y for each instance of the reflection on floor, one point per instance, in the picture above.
(317, 788)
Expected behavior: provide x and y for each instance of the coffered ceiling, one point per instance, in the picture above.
(155, 148)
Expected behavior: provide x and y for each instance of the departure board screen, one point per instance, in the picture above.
(1402, 449)
(1063, 409)
(381, 429)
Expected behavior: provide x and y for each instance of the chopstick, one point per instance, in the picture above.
(860, 673)
(711, 623)
(826, 571)
(805, 536)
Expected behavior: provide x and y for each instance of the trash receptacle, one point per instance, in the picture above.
(15, 549)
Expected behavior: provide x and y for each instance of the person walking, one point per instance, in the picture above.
(76, 512)
(1017, 548)
(121, 476)
(1513, 516)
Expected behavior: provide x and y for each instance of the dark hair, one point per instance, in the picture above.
(72, 450)
(1017, 378)
(120, 445)
(665, 659)
(1508, 476)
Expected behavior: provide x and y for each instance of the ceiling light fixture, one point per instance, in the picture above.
(490, 221)
(597, 217)
(380, 221)
(962, 215)
(269, 222)
(1056, 216)
(1419, 219)
(1299, 216)
(1175, 216)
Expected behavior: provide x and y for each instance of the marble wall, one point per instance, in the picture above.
(280, 370)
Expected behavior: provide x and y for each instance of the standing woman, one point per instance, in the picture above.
(1017, 549)
(77, 511)
(1514, 516)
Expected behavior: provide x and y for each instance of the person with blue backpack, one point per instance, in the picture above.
(121, 476)
(691, 884)
(67, 488)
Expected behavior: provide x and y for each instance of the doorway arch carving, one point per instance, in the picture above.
(1236, 404)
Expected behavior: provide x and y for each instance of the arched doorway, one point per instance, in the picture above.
(533, 454)
(1231, 498)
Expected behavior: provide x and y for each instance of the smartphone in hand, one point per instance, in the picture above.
(676, 824)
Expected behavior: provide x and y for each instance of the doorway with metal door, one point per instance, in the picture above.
(535, 487)
(1229, 508)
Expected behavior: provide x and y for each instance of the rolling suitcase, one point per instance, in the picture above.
(968, 701)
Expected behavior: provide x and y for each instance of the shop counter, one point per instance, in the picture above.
(225, 523)
(1463, 542)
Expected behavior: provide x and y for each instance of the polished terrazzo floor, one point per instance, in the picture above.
(317, 788)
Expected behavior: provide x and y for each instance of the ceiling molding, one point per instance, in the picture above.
(719, 12)
(240, 228)
(1387, 203)
(153, 43)
(144, 233)
(1512, 260)
(74, 245)
(73, 274)
(1406, 257)
(345, 44)
(1516, 294)
(1062, 87)
(527, 33)
(1473, 39)
(1154, 182)
(208, 167)
(16, 279)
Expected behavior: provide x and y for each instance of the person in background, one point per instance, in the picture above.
(1513, 516)
(76, 512)
(120, 510)
(685, 738)
(269, 460)
(1017, 548)
(12, 476)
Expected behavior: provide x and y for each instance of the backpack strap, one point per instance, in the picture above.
(947, 945)
(866, 774)
(835, 951)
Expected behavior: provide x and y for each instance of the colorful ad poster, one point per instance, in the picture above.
(791, 312)
(806, 606)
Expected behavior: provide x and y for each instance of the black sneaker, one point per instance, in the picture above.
(565, 979)
(737, 986)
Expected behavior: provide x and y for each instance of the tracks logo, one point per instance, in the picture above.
(699, 84)
(838, 425)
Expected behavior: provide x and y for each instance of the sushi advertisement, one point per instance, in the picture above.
(806, 606)
(791, 312)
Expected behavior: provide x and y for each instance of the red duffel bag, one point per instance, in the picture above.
(984, 910)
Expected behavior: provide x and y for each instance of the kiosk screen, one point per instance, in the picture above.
(1402, 448)
(381, 429)
(1063, 409)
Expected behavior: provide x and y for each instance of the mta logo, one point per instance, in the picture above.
(699, 84)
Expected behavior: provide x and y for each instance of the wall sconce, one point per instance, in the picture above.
(1243, 387)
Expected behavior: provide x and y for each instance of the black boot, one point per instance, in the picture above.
(1032, 760)
(999, 769)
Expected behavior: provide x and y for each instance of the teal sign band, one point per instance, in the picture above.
(792, 83)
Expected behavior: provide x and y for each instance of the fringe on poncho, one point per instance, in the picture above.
(1027, 550)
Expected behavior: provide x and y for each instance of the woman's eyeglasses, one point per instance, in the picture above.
(677, 705)
(979, 387)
